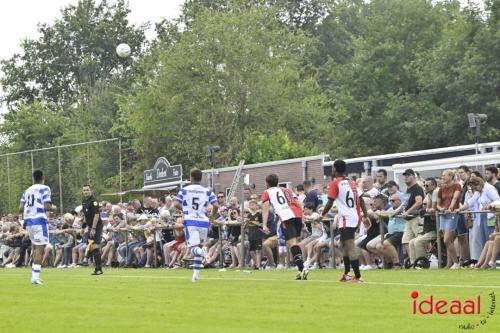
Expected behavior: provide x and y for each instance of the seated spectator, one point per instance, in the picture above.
(389, 248)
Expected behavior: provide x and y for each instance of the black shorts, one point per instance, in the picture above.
(395, 238)
(347, 233)
(98, 234)
(291, 228)
(255, 244)
(365, 241)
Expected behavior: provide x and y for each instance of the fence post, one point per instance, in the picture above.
(438, 239)
(332, 232)
(32, 168)
(60, 180)
(8, 183)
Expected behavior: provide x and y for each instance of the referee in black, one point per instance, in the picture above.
(94, 223)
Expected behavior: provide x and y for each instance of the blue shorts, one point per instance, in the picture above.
(448, 222)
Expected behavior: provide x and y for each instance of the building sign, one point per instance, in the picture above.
(162, 172)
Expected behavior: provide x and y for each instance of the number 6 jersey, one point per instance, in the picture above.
(33, 200)
(345, 192)
(285, 205)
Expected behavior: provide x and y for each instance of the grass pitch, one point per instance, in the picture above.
(264, 301)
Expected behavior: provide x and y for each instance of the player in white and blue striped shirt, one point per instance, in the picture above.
(194, 200)
(34, 204)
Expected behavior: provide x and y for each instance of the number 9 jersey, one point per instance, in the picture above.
(345, 193)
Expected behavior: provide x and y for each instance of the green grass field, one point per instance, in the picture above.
(263, 301)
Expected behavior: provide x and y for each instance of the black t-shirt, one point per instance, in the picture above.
(374, 230)
(465, 189)
(254, 231)
(429, 224)
(90, 208)
(497, 186)
(313, 197)
(414, 192)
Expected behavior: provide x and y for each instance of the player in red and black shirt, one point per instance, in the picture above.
(344, 191)
(287, 207)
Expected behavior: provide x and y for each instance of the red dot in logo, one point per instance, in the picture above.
(414, 294)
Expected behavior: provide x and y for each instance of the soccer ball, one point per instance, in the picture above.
(123, 50)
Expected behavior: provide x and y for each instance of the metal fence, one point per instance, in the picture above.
(66, 169)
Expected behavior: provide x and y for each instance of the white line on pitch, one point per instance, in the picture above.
(188, 278)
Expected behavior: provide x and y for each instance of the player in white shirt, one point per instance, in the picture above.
(345, 193)
(193, 200)
(34, 204)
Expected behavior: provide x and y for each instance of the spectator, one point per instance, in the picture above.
(416, 246)
(312, 194)
(412, 208)
(381, 184)
(389, 248)
(464, 175)
(491, 174)
(255, 234)
(483, 195)
(301, 195)
(369, 189)
(448, 201)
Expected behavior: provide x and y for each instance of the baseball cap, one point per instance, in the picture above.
(391, 183)
(409, 172)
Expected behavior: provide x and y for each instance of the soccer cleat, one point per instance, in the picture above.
(356, 280)
(455, 266)
(99, 272)
(194, 279)
(37, 281)
(298, 276)
(304, 274)
(345, 278)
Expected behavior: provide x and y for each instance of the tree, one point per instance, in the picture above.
(72, 55)
(230, 74)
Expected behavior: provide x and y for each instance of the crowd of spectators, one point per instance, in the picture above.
(403, 229)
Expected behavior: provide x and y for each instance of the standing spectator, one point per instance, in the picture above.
(137, 207)
(312, 195)
(254, 217)
(369, 189)
(411, 208)
(491, 174)
(301, 195)
(381, 179)
(448, 202)
(247, 193)
(464, 175)
(484, 223)
(416, 246)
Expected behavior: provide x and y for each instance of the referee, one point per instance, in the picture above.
(94, 223)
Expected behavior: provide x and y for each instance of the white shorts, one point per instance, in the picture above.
(196, 235)
(39, 234)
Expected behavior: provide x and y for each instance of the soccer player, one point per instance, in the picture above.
(193, 200)
(93, 221)
(34, 204)
(287, 207)
(344, 191)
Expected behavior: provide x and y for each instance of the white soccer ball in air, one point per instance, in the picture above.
(123, 50)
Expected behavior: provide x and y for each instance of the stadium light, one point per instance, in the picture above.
(475, 122)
